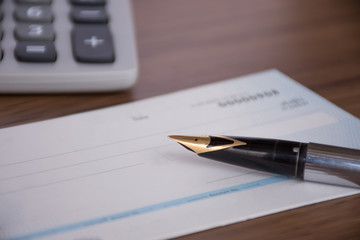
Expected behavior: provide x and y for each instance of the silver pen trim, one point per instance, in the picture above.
(332, 165)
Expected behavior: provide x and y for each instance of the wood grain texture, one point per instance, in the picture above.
(186, 43)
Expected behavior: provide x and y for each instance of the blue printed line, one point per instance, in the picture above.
(151, 208)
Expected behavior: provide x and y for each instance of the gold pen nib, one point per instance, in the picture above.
(203, 144)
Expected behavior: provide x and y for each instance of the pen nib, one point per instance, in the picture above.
(203, 144)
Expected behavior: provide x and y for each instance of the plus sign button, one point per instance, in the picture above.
(92, 44)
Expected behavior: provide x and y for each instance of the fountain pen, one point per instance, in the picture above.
(305, 161)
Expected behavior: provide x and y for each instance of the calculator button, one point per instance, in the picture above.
(35, 52)
(89, 15)
(93, 44)
(38, 13)
(34, 1)
(88, 2)
(34, 32)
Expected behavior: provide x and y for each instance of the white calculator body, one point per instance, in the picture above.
(59, 46)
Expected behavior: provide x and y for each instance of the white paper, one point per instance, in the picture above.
(113, 174)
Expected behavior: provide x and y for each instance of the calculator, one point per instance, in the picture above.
(60, 46)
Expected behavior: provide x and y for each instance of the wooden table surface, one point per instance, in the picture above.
(186, 43)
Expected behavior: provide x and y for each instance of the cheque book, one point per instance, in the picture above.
(305, 161)
(113, 174)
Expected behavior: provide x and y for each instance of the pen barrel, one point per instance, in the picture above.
(269, 155)
(332, 165)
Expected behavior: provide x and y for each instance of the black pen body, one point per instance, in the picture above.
(269, 155)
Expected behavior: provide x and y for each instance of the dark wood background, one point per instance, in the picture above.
(186, 43)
